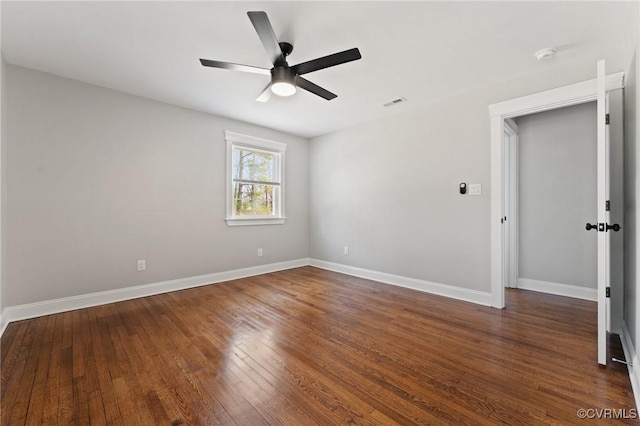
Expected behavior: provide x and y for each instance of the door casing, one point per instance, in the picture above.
(510, 188)
(573, 94)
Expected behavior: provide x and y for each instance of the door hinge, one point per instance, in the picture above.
(607, 205)
(606, 119)
(608, 292)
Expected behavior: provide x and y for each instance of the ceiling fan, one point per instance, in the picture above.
(285, 78)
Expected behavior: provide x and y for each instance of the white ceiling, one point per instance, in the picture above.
(422, 51)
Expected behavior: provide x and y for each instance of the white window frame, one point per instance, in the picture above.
(238, 140)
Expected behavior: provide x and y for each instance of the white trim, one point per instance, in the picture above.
(473, 296)
(572, 94)
(558, 289)
(551, 99)
(3, 322)
(48, 307)
(497, 161)
(633, 365)
(511, 125)
(32, 310)
(253, 142)
(246, 221)
(512, 218)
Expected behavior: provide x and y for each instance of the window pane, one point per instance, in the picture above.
(255, 180)
(253, 199)
(253, 165)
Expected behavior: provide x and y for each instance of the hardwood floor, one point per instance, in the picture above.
(308, 346)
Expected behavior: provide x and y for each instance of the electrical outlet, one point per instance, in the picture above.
(142, 265)
(259, 252)
(346, 249)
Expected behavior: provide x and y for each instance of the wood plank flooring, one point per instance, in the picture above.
(308, 346)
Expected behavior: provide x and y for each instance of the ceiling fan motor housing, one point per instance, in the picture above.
(283, 74)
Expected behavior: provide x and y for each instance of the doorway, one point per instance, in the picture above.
(556, 191)
(575, 94)
(552, 178)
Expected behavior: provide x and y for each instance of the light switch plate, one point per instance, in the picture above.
(475, 189)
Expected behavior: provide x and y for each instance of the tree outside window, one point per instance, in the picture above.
(255, 180)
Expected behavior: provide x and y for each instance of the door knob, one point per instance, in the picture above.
(615, 227)
(589, 227)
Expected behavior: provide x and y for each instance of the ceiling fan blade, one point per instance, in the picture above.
(314, 88)
(263, 27)
(265, 95)
(327, 61)
(235, 67)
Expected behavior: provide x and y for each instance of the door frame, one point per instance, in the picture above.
(573, 94)
(511, 217)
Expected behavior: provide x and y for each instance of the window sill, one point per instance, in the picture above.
(252, 221)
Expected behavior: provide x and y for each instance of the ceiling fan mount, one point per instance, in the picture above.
(286, 48)
(285, 78)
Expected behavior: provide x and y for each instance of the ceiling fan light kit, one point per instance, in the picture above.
(283, 88)
(285, 78)
(283, 81)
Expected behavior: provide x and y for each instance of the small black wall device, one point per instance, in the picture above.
(463, 188)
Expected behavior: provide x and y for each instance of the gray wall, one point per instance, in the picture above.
(557, 196)
(389, 189)
(616, 195)
(3, 184)
(98, 179)
(632, 167)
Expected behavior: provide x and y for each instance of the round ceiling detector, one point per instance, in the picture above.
(546, 53)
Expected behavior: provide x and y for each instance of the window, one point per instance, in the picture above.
(255, 180)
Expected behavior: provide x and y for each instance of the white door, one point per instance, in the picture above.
(603, 215)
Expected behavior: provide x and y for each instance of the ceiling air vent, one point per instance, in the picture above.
(395, 102)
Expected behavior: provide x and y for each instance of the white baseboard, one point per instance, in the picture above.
(48, 307)
(631, 357)
(473, 296)
(32, 310)
(3, 322)
(558, 289)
